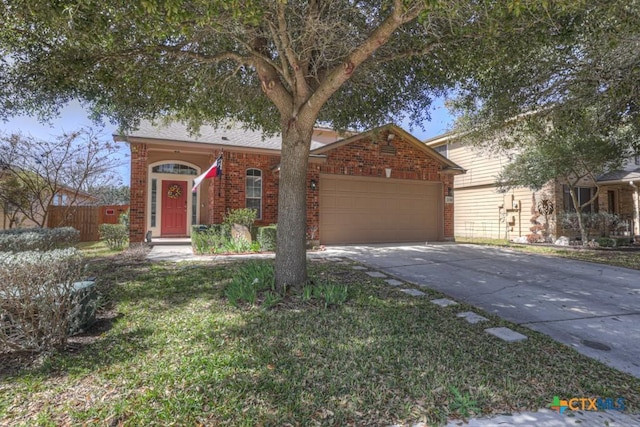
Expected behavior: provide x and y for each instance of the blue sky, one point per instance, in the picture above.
(74, 116)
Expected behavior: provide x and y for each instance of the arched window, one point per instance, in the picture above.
(174, 168)
(253, 191)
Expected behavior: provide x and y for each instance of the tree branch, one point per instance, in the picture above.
(298, 85)
(340, 74)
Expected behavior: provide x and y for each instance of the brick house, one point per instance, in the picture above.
(383, 185)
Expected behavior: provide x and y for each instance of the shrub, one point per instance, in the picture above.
(39, 303)
(267, 237)
(606, 242)
(210, 239)
(37, 239)
(244, 217)
(124, 219)
(115, 235)
(623, 241)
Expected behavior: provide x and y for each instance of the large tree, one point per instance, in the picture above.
(272, 64)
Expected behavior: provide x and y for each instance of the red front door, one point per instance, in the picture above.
(174, 208)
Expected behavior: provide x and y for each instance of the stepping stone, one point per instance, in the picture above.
(394, 282)
(333, 259)
(472, 317)
(359, 267)
(506, 334)
(444, 302)
(375, 274)
(413, 292)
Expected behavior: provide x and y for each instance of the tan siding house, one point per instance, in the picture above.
(483, 212)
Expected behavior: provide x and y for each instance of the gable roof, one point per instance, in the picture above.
(230, 134)
(619, 176)
(442, 139)
(394, 129)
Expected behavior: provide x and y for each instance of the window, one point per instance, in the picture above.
(612, 202)
(584, 194)
(253, 191)
(60, 200)
(443, 149)
(174, 168)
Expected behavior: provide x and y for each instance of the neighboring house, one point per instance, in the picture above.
(66, 196)
(11, 218)
(383, 185)
(69, 197)
(483, 212)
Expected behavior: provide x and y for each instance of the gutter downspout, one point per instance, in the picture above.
(636, 211)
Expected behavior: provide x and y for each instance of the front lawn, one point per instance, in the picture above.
(628, 257)
(171, 350)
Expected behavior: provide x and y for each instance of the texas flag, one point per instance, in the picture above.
(212, 172)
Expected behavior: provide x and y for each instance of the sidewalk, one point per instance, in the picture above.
(549, 418)
(541, 418)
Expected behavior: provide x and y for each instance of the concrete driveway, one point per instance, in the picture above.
(591, 307)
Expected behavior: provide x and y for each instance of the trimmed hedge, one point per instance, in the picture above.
(267, 237)
(37, 239)
(41, 302)
(612, 242)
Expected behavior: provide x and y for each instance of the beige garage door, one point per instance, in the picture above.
(378, 210)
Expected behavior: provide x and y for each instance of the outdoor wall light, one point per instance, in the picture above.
(313, 184)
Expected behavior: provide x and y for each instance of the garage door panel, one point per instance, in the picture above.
(372, 210)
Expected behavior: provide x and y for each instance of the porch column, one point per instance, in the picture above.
(636, 210)
(138, 207)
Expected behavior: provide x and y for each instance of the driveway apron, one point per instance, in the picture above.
(593, 308)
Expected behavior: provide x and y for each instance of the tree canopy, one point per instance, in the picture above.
(272, 64)
(590, 59)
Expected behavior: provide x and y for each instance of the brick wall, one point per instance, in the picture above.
(370, 157)
(228, 192)
(137, 210)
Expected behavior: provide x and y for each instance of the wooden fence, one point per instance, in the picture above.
(87, 219)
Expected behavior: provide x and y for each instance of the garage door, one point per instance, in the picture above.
(378, 210)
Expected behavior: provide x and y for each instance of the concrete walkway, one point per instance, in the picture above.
(590, 307)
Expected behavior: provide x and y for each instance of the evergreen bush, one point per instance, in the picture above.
(114, 235)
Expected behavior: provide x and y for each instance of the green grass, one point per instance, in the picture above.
(611, 256)
(96, 249)
(178, 353)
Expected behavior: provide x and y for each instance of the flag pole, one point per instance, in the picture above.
(221, 162)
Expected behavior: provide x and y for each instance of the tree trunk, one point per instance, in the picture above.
(583, 231)
(291, 256)
(578, 207)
